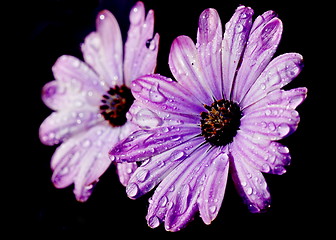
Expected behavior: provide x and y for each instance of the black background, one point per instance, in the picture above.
(41, 31)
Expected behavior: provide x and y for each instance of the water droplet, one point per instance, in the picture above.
(155, 95)
(266, 168)
(142, 175)
(132, 190)
(213, 209)
(271, 126)
(147, 119)
(249, 191)
(239, 28)
(86, 143)
(163, 201)
(177, 155)
(101, 16)
(283, 129)
(263, 86)
(153, 222)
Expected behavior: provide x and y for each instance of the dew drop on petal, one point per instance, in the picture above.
(177, 155)
(155, 95)
(153, 222)
(132, 190)
(142, 175)
(146, 118)
(283, 129)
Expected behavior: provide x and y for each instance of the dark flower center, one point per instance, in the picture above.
(221, 122)
(115, 104)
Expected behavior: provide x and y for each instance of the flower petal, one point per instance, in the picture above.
(83, 159)
(265, 156)
(185, 65)
(141, 47)
(235, 37)
(281, 71)
(180, 191)
(60, 126)
(211, 197)
(250, 183)
(209, 42)
(143, 144)
(103, 49)
(273, 118)
(262, 44)
(166, 98)
(76, 85)
(158, 167)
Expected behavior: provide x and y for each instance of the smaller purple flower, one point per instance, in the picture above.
(91, 100)
(224, 115)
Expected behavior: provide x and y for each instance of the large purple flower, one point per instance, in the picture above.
(91, 100)
(224, 114)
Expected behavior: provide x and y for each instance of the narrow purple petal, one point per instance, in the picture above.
(143, 144)
(166, 99)
(209, 43)
(281, 71)
(265, 156)
(157, 168)
(185, 65)
(103, 49)
(211, 197)
(83, 159)
(180, 191)
(274, 117)
(76, 85)
(262, 44)
(235, 37)
(141, 47)
(290, 99)
(250, 183)
(60, 126)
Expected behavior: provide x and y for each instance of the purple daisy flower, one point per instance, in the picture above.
(224, 114)
(91, 100)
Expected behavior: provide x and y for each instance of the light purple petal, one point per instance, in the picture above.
(281, 70)
(143, 144)
(141, 47)
(265, 156)
(290, 99)
(103, 49)
(180, 191)
(235, 37)
(274, 116)
(211, 197)
(262, 44)
(166, 99)
(60, 126)
(250, 183)
(83, 159)
(76, 85)
(157, 168)
(185, 65)
(209, 43)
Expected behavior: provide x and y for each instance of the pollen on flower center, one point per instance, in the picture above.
(115, 104)
(221, 122)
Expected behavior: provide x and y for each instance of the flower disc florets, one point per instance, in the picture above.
(115, 104)
(220, 123)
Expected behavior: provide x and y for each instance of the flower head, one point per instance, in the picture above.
(91, 100)
(222, 116)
